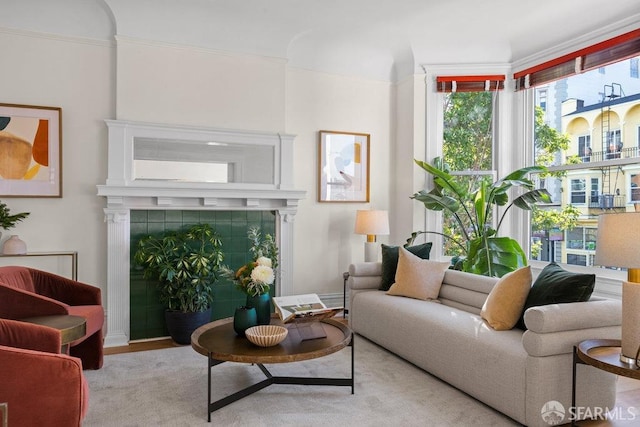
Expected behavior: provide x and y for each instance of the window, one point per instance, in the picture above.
(542, 99)
(599, 91)
(595, 193)
(467, 146)
(584, 148)
(612, 144)
(634, 188)
(578, 191)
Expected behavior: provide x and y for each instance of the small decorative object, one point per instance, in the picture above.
(243, 319)
(266, 335)
(256, 277)
(14, 246)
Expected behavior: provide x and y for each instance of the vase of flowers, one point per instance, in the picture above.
(256, 277)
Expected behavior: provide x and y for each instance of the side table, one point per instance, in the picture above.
(71, 327)
(603, 355)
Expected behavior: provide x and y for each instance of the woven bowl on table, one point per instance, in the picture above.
(266, 335)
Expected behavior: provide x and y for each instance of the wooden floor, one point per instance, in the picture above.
(627, 398)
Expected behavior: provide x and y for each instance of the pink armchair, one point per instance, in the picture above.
(39, 384)
(27, 292)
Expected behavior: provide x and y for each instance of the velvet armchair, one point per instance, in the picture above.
(27, 292)
(39, 385)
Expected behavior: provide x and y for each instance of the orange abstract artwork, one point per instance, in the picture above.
(24, 148)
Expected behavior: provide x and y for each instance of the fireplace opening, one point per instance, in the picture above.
(147, 312)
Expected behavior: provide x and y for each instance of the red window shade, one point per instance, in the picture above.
(469, 83)
(598, 55)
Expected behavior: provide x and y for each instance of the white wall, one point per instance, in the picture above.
(76, 75)
(170, 84)
(324, 241)
(163, 83)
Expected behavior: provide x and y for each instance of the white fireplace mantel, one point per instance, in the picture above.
(124, 192)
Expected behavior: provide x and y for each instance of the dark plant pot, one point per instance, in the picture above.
(262, 304)
(243, 319)
(181, 325)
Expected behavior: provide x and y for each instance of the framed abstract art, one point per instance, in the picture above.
(30, 151)
(343, 168)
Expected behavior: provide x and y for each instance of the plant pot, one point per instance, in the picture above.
(181, 325)
(262, 304)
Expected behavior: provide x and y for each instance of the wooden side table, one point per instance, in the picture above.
(603, 355)
(71, 327)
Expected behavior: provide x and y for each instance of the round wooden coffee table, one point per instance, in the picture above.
(219, 342)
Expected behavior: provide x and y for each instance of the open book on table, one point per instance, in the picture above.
(303, 308)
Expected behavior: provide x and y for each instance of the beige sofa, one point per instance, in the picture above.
(513, 371)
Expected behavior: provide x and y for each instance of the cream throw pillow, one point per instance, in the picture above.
(505, 302)
(416, 277)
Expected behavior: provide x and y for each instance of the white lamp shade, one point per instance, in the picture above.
(618, 240)
(372, 222)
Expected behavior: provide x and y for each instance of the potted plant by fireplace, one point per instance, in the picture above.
(186, 263)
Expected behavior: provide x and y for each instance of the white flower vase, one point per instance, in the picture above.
(14, 246)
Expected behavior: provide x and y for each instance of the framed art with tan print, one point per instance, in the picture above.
(30, 151)
(343, 167)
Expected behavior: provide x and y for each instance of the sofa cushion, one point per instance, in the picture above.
(416, 277)
(505, 302)
(390, 261)
(556, 285)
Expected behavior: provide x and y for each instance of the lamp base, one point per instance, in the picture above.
(370, 251)
(630, 322)
(631, 361)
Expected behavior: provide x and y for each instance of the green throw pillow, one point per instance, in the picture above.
(390, 261)
(556, 285)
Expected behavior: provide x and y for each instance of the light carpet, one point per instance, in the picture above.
(169, 388)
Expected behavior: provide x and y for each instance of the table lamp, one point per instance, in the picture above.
(372, 223)
(618, 245)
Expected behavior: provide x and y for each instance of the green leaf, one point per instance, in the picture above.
(494, 256)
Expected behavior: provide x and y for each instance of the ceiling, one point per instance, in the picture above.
(383, 39)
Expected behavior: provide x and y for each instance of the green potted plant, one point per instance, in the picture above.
(186, 263)
(472, 210)
(8, 221)
(256, 277)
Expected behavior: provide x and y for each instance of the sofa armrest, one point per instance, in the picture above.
(365, 275)
(29, 336)
(571, 316)
(17, 304)
(66, 290)
(557, 328)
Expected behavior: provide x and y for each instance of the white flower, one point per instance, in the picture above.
(263, 260)
(262, 274)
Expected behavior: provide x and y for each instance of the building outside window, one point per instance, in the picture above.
(595, 112)
(578, 191)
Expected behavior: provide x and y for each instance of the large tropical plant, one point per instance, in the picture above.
(473, 211)
(186, 264)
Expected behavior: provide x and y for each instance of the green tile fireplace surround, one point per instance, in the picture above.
(147, 312)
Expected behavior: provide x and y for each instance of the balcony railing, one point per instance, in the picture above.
(599, 156)
(607, 201)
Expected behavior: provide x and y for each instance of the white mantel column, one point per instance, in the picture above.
(118, 316)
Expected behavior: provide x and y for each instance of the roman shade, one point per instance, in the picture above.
(598, 55)
(470, 83)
